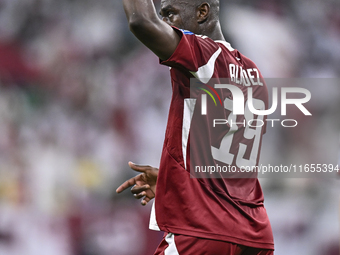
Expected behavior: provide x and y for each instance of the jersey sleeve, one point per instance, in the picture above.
(193, 53)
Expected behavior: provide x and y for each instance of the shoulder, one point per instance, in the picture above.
(196, 38)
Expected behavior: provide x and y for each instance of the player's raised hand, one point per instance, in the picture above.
(144, 184)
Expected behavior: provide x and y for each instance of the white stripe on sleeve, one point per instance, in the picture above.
(204, 73)
(188, 111)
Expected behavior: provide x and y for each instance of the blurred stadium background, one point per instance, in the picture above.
(80, 97)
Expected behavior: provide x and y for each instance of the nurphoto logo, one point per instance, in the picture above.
(238, 106)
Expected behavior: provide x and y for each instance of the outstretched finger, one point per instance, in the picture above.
(138, 168)
(126, 185)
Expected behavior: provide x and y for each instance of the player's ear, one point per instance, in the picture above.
(203, 12)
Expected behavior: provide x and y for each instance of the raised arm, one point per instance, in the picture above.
(154, 33)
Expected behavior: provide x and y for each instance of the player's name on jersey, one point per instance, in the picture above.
(245, 77)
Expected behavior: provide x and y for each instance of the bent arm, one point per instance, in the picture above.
(149, 29)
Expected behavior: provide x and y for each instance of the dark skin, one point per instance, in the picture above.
(197, 16)
(144, 184)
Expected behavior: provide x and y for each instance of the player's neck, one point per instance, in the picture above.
(216, 32)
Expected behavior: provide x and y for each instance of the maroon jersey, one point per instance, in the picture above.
(225, 209)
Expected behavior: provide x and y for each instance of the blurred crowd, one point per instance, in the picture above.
(80, 97)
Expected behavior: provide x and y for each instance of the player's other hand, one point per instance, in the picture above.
(144, 184)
